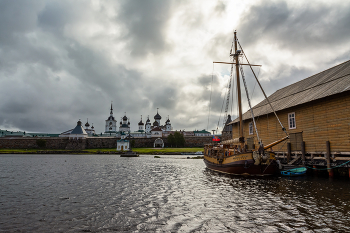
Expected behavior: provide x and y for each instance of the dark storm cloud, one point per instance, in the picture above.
(56, 15)
(298, 29)
(93, 68)
(165, 98)
(17, 17)
(35, 52)
(60, 60)
(306, 27)
(145, 24)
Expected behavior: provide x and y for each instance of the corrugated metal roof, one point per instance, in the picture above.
(326, 83)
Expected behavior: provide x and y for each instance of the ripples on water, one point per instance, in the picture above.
(106, 193)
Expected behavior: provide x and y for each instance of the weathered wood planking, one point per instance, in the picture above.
(322, 120)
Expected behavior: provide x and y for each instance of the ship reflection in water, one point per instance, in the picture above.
(99, 193)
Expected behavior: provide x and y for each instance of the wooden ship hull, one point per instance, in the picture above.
(242, 164)
(232, 156)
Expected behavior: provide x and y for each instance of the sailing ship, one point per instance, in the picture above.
(232, 156)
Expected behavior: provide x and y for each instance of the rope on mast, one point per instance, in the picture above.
(211, 88)
(250, 106)
(222, 107)
(284, 129)
(229, 89)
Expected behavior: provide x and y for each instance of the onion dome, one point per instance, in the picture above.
(129, 123)
(120, 123)
(155, 123)
(125, 118)
(157, 116)
(148, 120)
(92, 126)
(141, 123)
(79, 123)
(87, 123)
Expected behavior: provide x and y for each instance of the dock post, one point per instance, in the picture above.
(330, 171)
(289, 149)
(315, 170)
(303, 152)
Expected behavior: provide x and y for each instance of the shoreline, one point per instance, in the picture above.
(145, 151)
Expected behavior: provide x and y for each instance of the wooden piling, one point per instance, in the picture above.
(289, 149)
(303, 152)
(315, 170)
(328, 157)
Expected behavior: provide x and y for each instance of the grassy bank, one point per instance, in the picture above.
(102, 151)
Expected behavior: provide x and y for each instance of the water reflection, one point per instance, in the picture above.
(98, 193)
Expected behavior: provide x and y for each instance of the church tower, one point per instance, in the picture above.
(141, 124)
(148, 126)
(124, 125)
(167, 125)
(111, 123)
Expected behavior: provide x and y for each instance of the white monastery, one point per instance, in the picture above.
(145, 130)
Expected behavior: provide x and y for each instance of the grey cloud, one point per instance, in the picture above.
(17, 16)
(309, 26)
(165, 98)
(50, 79)
(55, 15)
(220, 7)
(208, 80)
(218, 48)
(145, 24)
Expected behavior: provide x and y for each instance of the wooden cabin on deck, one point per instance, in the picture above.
(315, 112)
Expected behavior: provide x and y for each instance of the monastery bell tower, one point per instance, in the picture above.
(111, 123)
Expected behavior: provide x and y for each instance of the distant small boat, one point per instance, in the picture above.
(294, 172)
(129, 153)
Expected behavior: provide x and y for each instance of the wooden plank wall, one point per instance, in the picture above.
(327, 119)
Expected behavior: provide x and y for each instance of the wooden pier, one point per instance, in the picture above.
(326, 160)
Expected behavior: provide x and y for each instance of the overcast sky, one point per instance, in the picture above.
(63, 60)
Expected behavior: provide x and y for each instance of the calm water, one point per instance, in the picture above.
(106, 193)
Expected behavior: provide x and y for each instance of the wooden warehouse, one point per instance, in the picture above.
(315, 112)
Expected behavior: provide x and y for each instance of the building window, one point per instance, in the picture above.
(291, 120)
(251, 128)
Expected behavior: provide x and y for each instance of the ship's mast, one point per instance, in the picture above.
(236, 56)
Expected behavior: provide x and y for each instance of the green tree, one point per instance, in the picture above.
(179, 139)
(171, 140)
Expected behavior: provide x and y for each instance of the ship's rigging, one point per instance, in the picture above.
(234, 156)
(236, 61)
